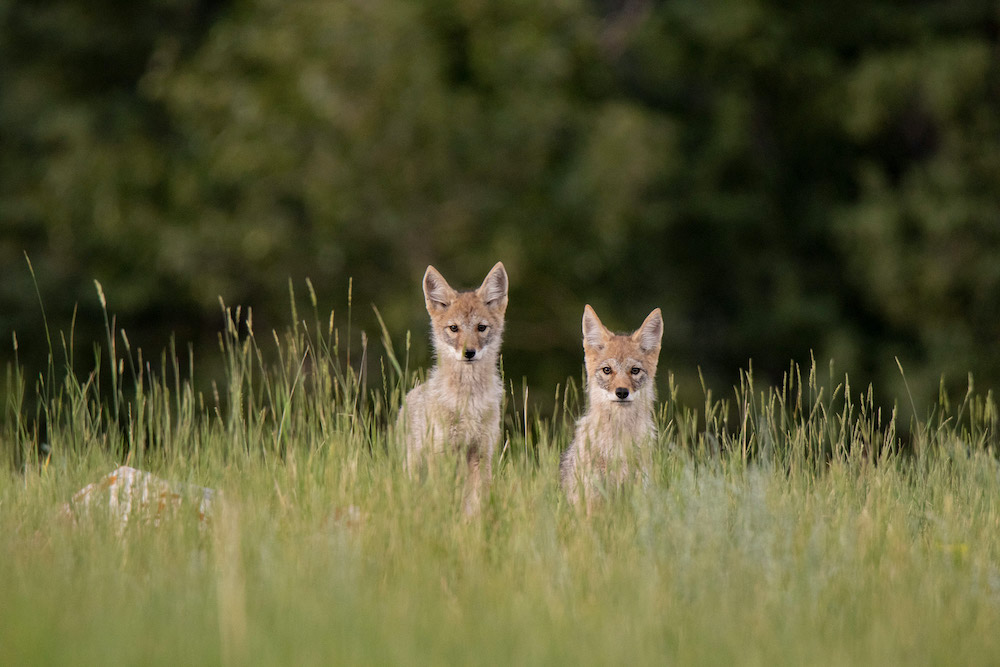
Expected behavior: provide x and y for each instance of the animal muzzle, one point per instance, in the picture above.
(621, 393)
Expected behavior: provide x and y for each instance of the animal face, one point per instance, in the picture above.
(466, 326)
(621, 368)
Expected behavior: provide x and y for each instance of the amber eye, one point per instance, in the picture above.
(482, 327)
(606, 370)
(636, 370)
(453, 328)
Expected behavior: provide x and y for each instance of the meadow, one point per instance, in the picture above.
(790, 524)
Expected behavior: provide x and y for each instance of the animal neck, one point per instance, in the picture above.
(620, 424)
(467, 373)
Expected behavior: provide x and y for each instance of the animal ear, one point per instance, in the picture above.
(438, 294)
(595, 334)
(493, 291)
(649, 335)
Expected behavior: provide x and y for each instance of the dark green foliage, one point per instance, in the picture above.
(779, 178)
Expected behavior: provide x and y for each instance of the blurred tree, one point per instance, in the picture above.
(84, 165)
(779, 178)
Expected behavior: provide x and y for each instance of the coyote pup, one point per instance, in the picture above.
(614, 436)
(457, 410)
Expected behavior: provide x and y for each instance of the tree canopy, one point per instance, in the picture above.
(780, 178)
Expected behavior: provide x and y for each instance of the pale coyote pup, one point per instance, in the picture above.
(456, 412)
(614, 436)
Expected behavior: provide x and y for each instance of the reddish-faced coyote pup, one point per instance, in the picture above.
(457, 410)
(614, 436)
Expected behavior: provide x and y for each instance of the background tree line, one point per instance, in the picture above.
(779, 177)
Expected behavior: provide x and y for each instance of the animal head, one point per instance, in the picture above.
(466, 326)
(621, 367)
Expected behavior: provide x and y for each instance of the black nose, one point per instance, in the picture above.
(470, 353)
(621, 393)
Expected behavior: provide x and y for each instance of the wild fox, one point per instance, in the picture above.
(613, 437)
(457, 410)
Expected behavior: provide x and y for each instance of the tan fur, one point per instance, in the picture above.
(456, 412)
(613, 438)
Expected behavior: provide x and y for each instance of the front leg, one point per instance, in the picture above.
(477, 481)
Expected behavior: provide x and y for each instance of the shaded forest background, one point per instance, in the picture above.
(780, 178)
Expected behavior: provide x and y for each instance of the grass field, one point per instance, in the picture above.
(787, 525)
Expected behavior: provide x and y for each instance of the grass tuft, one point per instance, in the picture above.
(787, 524)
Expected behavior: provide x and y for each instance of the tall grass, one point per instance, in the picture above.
(794, 524)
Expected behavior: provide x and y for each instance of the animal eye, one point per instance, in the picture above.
(482, 327)
(636, 370)
(606, 370)
(453, 328)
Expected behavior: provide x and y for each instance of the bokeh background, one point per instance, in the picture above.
(782, 179)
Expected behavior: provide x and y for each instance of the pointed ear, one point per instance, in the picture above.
(493, 291)
(594, 332)
(648, 336)
(438, 294)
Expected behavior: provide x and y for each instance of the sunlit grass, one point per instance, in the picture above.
(791, 525)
